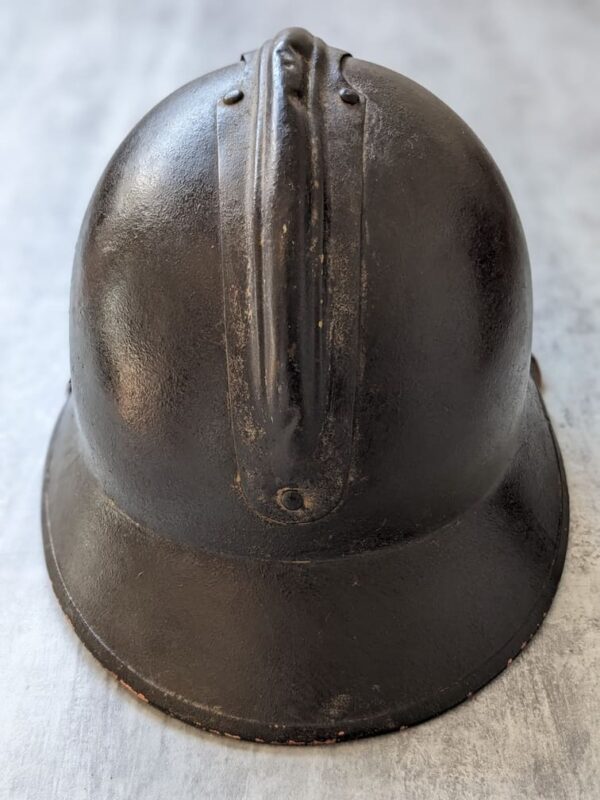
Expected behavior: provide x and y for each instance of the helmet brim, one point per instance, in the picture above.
(318, 650)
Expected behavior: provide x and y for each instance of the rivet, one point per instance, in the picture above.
(234, 96)
(291, 500)
(349, 95)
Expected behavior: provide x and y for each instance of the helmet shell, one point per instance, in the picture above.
(304, 488)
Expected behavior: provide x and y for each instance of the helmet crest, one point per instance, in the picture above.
(290, 157)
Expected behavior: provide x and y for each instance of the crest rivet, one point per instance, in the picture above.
(349, 95)
(234, 96)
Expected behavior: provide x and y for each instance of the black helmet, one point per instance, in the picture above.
(304, 488)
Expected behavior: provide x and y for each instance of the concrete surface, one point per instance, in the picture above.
(74, 77)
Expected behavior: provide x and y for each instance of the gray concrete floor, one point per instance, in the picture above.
(74, 77)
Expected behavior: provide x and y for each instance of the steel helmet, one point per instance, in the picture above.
(304, 487)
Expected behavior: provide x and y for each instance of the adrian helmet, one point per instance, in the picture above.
(304, 488)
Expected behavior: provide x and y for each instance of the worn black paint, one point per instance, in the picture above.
(384, 540)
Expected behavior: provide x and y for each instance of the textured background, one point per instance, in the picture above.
(74, 78)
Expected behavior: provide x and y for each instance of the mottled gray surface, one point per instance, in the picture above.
(74, 77)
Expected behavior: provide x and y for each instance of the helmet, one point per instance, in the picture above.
(304, 487)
